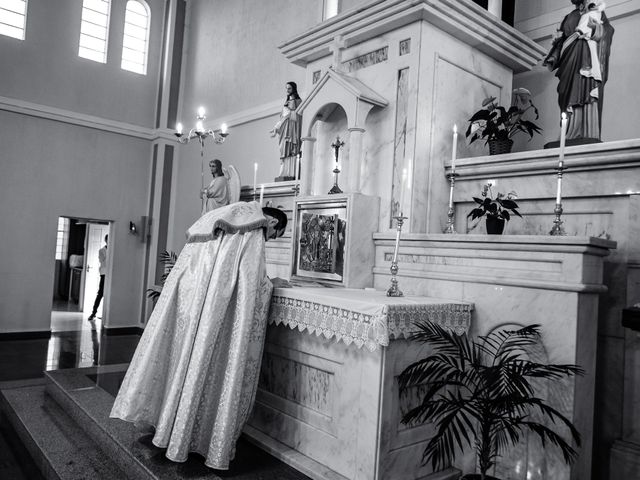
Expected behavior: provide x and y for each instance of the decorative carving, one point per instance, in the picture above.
(296, 382)
(322, 243)
(316, 76)
(366, 60)
(405, 47)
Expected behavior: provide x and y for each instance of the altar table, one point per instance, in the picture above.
(328, 402)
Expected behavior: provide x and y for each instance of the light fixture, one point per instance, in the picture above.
(201, 133)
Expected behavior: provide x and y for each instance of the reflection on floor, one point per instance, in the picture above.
(86, 368)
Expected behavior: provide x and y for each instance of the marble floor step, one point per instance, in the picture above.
(87, 394)
(55, 443)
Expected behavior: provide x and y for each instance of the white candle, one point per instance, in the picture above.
(223, 128)
(295, 167)
(179, 129)
(402, 189)
(454, 149)
(563, 135)
(199, 126)
(261, 193)
(255, 176)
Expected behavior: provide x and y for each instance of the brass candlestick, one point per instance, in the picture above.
(557, 228)
(393, 290)
(451, 213)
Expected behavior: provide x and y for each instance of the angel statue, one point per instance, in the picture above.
(223, 189)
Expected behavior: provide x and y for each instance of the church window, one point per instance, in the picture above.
(62, 240)
(94, 30)
(330, 9)
(135, 44)
(13, 18)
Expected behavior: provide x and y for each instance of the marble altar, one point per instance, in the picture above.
(328, 402)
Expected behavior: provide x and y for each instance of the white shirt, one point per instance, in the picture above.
(102, 258)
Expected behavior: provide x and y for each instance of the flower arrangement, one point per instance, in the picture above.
(495, 122)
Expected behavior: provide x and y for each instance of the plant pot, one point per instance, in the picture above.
(498, 147)
(477, 476)
(495, 225)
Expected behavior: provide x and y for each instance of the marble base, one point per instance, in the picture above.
(325, 403)
(625, 460)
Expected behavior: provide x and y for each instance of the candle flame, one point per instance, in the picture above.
(179, 127)
(564, 116)
(200, 112)
(223, 128)
(455, 128)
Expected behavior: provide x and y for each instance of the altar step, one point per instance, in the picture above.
(65, 425)
(47, 441)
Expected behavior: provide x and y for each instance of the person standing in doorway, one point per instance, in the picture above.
(102, 258)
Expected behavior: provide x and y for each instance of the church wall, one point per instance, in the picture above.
(233, 68)
(68, 171)
(621, 115)
(45, 68)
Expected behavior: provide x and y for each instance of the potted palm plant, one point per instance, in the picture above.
(496, 210)
(498, 124)
(479, 394)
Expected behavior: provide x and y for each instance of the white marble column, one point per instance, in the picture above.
(306, 165)
(352, 170)
(495, 8)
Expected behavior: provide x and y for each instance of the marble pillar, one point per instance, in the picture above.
(495, 8)
(355, 159)
(306, 165)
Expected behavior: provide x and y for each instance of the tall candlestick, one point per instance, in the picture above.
(255, 176)
(563, 135)
(454, 149)
(402, 189)
(261, 193)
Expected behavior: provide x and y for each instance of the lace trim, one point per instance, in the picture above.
(361, 329)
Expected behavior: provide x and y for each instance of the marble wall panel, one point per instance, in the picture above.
(400, 147)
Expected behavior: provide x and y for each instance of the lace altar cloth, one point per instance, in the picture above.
(364, 317)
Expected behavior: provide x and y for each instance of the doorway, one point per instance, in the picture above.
(77, 274)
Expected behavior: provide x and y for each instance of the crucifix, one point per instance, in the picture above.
(336, 48)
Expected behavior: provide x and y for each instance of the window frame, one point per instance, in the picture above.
(23, 14)
(84, 35)
(145, 54)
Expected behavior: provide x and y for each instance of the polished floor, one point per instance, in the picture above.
(78, 343)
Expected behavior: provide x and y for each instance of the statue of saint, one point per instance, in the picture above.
(289, 130)
(216, 195)
(580, 54)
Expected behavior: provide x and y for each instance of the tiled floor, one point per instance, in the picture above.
(77, 343)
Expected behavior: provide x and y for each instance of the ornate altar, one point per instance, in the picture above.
(333, 239)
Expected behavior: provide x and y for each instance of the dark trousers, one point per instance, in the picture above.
(96, 304)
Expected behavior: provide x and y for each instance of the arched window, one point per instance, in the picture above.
(94, 30)
(13, 18)
(135, 44)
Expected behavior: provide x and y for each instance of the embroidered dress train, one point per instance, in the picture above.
(195, 372)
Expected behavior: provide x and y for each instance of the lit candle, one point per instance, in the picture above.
(402, 189)
(454, 149)
(223, 128)
(261, 193)
(200, 112)
(179, 128)
(255, 176)
(199, 126)
(563, 135)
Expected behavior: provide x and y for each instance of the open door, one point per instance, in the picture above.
(91, 274)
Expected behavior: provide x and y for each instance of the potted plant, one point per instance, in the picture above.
(168, 260)
(480, 395)
(498, 124)
(496, 210)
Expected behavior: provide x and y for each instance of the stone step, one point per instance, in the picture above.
(59, 448)
(86, 395)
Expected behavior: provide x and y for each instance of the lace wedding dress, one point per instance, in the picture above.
(195, 372)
